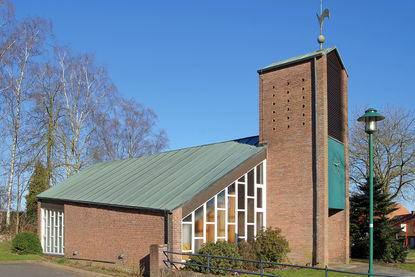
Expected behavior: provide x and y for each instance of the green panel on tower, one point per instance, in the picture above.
(337, 181)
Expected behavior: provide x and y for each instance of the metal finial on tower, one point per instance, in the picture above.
(320, 18)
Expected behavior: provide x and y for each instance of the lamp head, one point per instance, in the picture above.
(370, 118)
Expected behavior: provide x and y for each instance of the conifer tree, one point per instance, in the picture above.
(385, 245)
(38, 183)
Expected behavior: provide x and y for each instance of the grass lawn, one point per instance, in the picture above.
(6, 255)
(310, 273)
(306, 272)
(410, 262)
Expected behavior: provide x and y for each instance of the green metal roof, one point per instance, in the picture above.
(300, 59)
(163, 181)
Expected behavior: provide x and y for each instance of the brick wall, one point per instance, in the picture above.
(102, 233)
(286, 125)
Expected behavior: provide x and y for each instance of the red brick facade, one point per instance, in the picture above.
(102, 233)
(286, 125)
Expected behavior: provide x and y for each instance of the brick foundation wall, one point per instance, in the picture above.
(286, 125)
(102, 233)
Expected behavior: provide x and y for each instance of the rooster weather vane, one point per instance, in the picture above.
(320, 18)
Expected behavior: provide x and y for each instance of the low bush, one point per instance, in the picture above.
(220, 248)
(26, 243)
(271, 246)
(247, 252)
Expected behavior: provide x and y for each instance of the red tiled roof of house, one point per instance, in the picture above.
(401, 210)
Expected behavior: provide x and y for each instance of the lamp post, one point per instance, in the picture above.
(370, 119)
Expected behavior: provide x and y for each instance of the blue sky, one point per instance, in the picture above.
(194, 62)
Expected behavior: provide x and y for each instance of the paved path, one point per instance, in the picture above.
(377, 268)
(42, 270)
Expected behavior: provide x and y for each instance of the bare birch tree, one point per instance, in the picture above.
(88, 92)
(30, 33)
(394, 152)
(48, 110)
(130, 132)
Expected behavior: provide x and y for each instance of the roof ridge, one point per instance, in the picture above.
(301, 58)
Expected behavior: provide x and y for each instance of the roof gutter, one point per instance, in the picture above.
(168, 235)
(69, 201)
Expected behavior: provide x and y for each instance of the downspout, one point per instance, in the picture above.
(168, 234)
(316, 191)
(262, 106)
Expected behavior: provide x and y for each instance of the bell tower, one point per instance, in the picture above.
(303, 122)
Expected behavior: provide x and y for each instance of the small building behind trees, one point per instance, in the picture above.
(407, 235)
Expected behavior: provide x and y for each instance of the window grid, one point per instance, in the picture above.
(250, 225)
(53, 241)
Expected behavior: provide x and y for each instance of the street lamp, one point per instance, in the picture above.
(370, 119)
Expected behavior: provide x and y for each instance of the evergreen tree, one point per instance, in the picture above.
(385, 245)
(38, 183)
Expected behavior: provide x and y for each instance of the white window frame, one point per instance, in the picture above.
(53, 229)
(237, 210)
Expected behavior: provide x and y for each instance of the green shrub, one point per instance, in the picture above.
(271, 246)
(26, 243)
(220, 248)
(247, 252)
(62, 261)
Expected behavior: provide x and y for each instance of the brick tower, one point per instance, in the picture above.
(303, 121)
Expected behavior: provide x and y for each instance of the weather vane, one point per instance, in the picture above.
(320, 18)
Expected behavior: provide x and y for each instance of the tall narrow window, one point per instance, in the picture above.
(199, 222)
(53, 241)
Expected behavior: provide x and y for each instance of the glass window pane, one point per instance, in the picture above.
(259, 197)
(241, 224)
(251, 210)
(221, 224)
(241, 196)
(242, 179)
(188, 218)
(251, 232)
(231, 209)
(231, 233)
(210, 210)
(187, 236)
(251, 184)
(221, 199)
(199, 222)
(210, 232)
(198, 244)
(259, 174)
(231, 189)
(259, 222)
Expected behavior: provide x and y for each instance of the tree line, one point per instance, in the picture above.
(59, 110)
(394, 180)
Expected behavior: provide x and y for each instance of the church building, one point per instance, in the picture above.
(293, 175)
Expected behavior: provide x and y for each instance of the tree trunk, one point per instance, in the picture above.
(17, 217)
(49, 145)
(12, 162)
